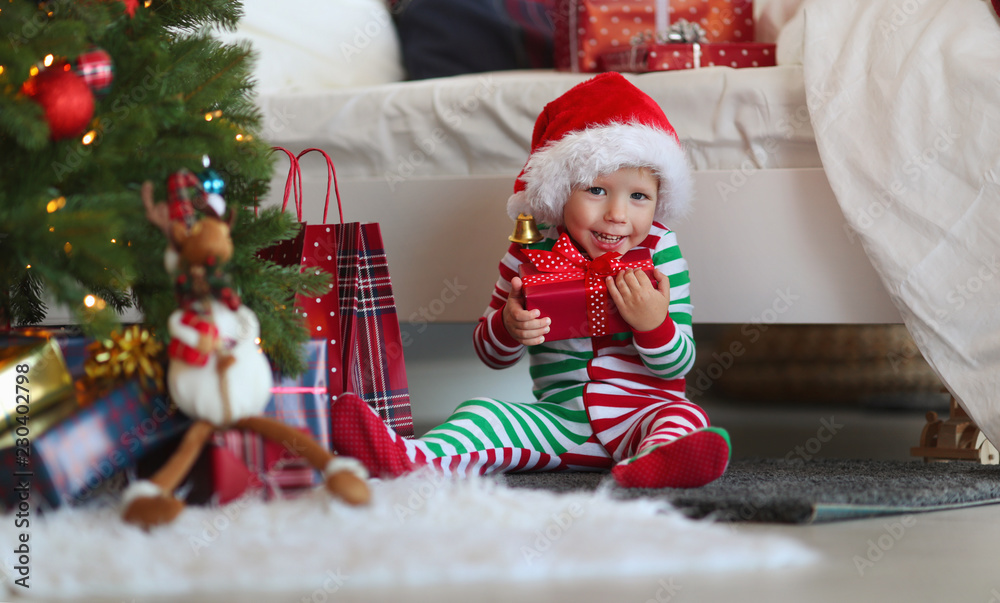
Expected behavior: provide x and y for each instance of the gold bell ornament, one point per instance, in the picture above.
(525, 231)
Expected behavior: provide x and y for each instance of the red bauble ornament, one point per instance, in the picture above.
(66, 99)
(96, 69)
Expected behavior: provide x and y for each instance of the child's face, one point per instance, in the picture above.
(612, 213)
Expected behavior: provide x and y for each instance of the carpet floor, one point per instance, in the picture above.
(796, 491)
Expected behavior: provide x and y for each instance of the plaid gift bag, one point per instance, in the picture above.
(357, 317)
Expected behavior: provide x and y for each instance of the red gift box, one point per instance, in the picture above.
(244, 463)
(669, 57)
(587, 29)
(570, 289)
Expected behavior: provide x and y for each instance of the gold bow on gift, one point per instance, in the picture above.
(133, 353)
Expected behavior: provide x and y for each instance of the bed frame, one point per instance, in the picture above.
(768, 246)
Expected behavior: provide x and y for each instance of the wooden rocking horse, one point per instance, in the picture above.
(217, 374)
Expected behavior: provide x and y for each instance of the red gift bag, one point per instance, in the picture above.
(357, 317)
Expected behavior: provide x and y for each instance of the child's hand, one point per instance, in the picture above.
(643, 306)
(523, 325)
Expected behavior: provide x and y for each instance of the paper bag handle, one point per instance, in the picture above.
(293, 183)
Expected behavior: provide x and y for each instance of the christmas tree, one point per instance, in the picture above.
(99, 96)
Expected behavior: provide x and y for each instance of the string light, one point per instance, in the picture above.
(208, 117)
(68, 247)
(55, 205)
(89, 137)
(238, 136)
(28, 267)
(33, 70)
(93, 302)
(48, 60)
(114, 240)
(147, 3)
(1, 69)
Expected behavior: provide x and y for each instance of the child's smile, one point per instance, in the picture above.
(612, 213)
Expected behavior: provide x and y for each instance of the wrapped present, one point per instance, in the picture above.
(233, 464)
(69, 456)
(668, 57)
(570, 289)
(243, 463)
(61, 438)
(304, 401)
(587, 29)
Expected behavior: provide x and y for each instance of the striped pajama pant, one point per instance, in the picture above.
(592, 431)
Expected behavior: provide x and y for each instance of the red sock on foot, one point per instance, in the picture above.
(358, 432)
(690, 461)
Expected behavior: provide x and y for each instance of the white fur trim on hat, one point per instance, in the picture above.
(578, 158)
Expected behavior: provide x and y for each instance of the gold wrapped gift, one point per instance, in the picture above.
(33, 374)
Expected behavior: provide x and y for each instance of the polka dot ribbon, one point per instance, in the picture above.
(566, 263)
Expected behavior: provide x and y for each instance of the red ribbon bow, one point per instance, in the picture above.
(566, 263)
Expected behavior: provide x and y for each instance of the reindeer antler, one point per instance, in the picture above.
(157, 213)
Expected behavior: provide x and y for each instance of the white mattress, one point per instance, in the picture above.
(480, 124)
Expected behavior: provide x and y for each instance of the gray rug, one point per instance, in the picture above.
(783, 491)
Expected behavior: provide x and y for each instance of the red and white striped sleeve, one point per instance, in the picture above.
(494, 345)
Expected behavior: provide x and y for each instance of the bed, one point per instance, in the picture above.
(434, 161)
(788, 225)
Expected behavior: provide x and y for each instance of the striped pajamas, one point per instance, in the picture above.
(599, 400)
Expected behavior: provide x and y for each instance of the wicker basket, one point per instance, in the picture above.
(825, 363)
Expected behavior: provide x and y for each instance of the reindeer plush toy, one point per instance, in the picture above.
(217, 374)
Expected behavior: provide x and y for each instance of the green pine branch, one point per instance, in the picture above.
(71, 220)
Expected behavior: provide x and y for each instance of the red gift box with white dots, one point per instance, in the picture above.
(669, 57)
(587, 29)
(567, 302)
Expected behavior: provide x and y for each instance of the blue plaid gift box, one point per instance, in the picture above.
(72, 456)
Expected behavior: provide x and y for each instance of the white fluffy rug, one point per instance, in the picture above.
(422, 531)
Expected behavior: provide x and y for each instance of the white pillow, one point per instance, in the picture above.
(306, 46)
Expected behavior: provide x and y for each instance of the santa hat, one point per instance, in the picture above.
(598, 127)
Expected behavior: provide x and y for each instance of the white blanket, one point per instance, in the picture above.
(906, 111)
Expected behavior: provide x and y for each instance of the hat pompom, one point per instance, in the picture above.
(518, 204)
